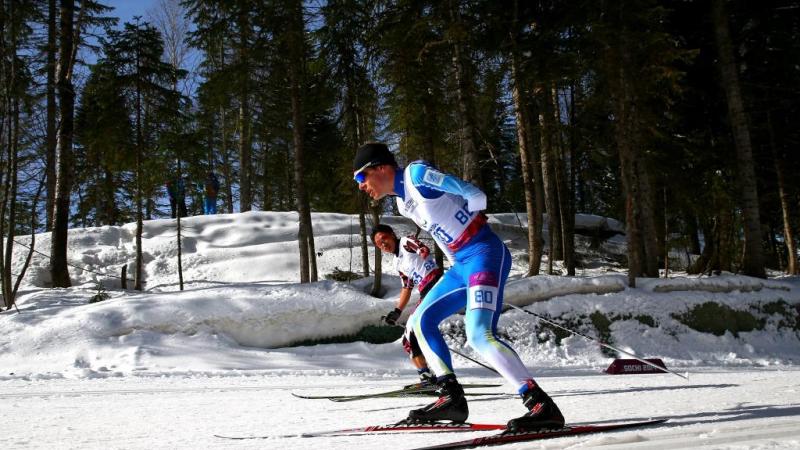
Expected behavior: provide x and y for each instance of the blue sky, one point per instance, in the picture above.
(126, 9)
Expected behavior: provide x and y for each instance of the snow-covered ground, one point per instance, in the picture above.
(169, 369)
(741, 409)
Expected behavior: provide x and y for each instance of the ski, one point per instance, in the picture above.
(408, 391)
(507, 438)
(400, 427)
(432, 393)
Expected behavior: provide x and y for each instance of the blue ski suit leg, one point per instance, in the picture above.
(476, 282)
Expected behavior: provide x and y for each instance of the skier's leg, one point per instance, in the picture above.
(443, 300)
(485, 304)
(411, 346)
(488, 271)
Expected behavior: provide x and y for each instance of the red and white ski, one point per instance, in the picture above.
(400, 427)
(508, 438)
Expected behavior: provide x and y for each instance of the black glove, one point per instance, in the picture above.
(392, 317)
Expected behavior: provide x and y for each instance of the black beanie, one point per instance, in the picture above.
(373, 154)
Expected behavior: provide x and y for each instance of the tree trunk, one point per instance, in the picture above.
(27, 263)
(575, 175)
(639, 218)
(50, 138)
(469, 142)
(178, 239)
(66, 102)
(549, 182)
(297, 53)
(725, 240)
(665, 233)
(10, 191)
(565, 198)
(11, 106)
(226, 163)
(523, 136)
(648, 218)
(362, 226)
(137, 279)
(376, 220)
(355, 132)
(783, 194)
(538, 189)
(429, 154)
(753, 261)
(245, 144)
(3, 71)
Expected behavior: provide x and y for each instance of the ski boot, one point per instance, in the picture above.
(542, 412)
(451, 405)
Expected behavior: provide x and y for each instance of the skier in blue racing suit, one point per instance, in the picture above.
(450, 210)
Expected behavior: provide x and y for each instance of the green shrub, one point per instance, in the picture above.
(717, 319)
(342, 275)
(100, 295)
(603, 326)
(371, 334)
(646, 320)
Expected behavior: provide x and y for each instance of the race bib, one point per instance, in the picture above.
(483, 297)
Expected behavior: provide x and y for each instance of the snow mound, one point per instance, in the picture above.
(243, 308)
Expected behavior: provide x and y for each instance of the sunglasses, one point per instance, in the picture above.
(360, 175)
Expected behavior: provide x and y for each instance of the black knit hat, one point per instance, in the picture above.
(373, 154)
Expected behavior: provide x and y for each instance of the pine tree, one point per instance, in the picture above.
(753, 260)
(345, 46)
(135, 54)
(66, 103)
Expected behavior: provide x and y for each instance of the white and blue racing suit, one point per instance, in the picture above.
(450, 210)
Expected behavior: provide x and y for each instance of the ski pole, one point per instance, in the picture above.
(461, 355)
(608, 346)
(473, 360)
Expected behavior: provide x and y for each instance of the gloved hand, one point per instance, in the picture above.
(392, 317)
(424, 252)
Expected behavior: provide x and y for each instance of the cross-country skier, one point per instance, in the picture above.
(413, 260)
(450, 210)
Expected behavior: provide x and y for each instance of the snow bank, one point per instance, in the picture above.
(584, 222)
(58, 329)
(242, 307)
(726, 282)
(544, 287)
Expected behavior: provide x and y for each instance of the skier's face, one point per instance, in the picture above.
(385, 241)
(378, 181)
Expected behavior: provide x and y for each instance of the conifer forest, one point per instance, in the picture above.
(679, 118)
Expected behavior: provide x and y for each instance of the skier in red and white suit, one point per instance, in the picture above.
(417, 268)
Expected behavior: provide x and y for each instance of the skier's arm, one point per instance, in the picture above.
(405, 295)
(414, 245)
(427, 177)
